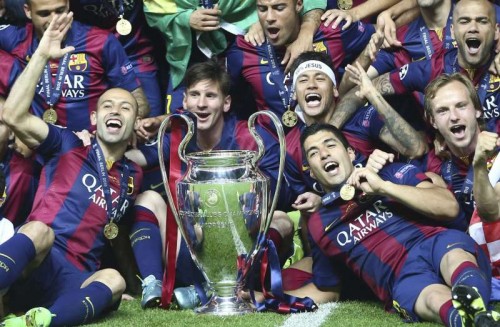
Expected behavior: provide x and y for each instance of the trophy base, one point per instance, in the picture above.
(225, 306)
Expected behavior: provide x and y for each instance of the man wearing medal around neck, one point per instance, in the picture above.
(71, 86)
(125, 19)
(372, 126)
(390, 240)
(260, 67)
(476, 32)
(207, 99)
(64, 236)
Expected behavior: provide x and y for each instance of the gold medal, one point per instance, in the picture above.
(344, 4)
(347, 192)
(289, 118)
(50, 116)
(123, 26)
(111, 230)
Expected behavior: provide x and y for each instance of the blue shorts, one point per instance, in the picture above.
(421, 268)
(54, 276)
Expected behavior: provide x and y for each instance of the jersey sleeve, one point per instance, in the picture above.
(403, 174)
(59, 140)
(411, 77)
(10, 68)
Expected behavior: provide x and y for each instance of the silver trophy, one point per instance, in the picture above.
(222, 210)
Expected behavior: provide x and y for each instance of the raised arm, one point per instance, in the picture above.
(399, 14)
(440, 204)
(356, 13)
(396, 132)
(304, 41)
(30, 129)
(365, 59)
(350, 102)
(487, 196)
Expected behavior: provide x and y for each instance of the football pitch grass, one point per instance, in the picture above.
(352, 313)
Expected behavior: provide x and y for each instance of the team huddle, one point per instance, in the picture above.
(391, 182)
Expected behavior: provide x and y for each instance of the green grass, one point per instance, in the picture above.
(346, 314)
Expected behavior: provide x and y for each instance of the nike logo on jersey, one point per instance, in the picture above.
(155, 186)
(263, 61)
(452, 245)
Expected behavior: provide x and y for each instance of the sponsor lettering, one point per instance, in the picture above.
(364, 224)
(94, 188)
(490, 107)
(4, 266)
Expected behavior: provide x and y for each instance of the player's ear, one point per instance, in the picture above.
(299, 5)
(27, 10)
(335, 92)
(227, 103)
(351, 153)
(184, 101)
(93, 118)
(137, 123)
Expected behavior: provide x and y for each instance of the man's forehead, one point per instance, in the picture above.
(115, 95)
(205, 85)
(274, 2)
(320, 137)
(480, 9)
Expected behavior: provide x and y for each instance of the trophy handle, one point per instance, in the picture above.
(182, 145)
(260, 144)
(181, 151)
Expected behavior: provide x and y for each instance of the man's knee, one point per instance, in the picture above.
(282, 223)
(40, 234)
(153, 201)
(111, 278)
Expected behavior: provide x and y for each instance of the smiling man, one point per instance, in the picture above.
(207, 99)
(81, 205)
(475, 31)
(259, 67)
(386, 237)
(98, 62)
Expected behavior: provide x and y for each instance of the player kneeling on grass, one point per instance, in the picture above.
(383, 234)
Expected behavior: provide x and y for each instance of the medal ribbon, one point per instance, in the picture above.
(120, 12)
(329, 198)
(450, 170)
(482, 87)
(53, 95)
(277, 77)
(106, 188)
(425, 37)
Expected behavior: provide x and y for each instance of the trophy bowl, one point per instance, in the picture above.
(223, 213)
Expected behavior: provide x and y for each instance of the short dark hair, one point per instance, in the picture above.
(208, 70)
(319, 127)
(312, 55)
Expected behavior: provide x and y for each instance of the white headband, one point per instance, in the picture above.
(314, 65)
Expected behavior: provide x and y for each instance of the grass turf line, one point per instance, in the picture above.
(352, 313)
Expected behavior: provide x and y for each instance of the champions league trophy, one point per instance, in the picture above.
(223, 212)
